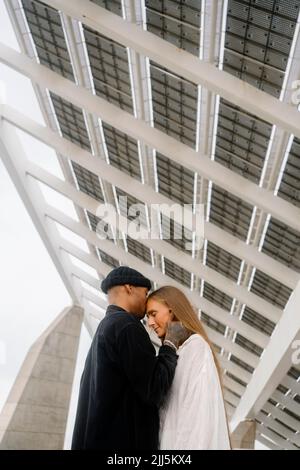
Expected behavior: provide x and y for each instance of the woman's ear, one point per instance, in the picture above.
(172, 316)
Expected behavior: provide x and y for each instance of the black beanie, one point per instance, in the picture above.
(124, 275)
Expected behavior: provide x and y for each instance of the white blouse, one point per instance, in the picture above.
(193, 414)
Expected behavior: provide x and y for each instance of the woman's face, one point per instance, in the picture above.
(158, 315)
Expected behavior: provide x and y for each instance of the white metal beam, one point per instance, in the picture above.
(168, 146)
(14, 159)
(235, 369)
(277, 412)
(146, 194)
(274, 364)
(274, 437)
(270, 422)
(286, 400)
(183, 63)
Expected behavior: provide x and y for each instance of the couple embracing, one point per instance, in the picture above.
(132, 398)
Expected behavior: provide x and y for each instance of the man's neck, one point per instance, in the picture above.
(119, 303)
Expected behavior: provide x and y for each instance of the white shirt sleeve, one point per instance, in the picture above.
(201, 419)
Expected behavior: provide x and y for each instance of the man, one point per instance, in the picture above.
(124, 382)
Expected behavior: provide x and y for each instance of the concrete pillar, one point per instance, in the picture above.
(244, 435)
(35, 414)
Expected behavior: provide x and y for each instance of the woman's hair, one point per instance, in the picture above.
(184, 312)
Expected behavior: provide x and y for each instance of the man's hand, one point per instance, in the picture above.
(177, 333)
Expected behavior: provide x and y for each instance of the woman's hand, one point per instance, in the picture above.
(177, 333)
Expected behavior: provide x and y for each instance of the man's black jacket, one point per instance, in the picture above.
(122, 386)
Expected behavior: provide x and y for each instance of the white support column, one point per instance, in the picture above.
(146, 194)
(182, 63)
(244, 436)
(35, 414)
(170, 147)
(277, 359)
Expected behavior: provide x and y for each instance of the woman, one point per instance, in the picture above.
(193, 415)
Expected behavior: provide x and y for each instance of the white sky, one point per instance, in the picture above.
(32, 293)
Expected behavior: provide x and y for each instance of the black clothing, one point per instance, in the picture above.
(122, 386)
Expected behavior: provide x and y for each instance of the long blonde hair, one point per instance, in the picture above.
(184, 312)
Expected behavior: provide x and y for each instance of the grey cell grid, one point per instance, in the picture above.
(109, 68)
(294, 373)
(114, 6)
(122, 151)
(174, 105)
(257, 321)
(222, 261)
(212, 323)
(217, 297)
(248, 345)
(175, 22)
(230, 212)
(289, 188)
(283, 244)
(70, 117)
(110, 260)
(47, 32)
(258, 41)
(71, 122)
(236, 379)
(269, 289)
(291, 413)
(131, 201)
(174, 181)
(242, 141)
(94, 220)
(175, 234)
(176, 272)
(139, 250)
(241, 363)
(88, 182)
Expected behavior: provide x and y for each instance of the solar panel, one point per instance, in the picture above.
(174, 181)
(109, 68)
(174, 105)
(176, 22)
(217, 297)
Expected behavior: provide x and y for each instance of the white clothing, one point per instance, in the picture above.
(193, 414)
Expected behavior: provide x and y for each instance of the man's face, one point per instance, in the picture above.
(138, 300)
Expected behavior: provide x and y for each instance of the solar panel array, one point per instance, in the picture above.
(257, 46)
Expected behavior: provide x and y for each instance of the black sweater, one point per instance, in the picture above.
(122, 386)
